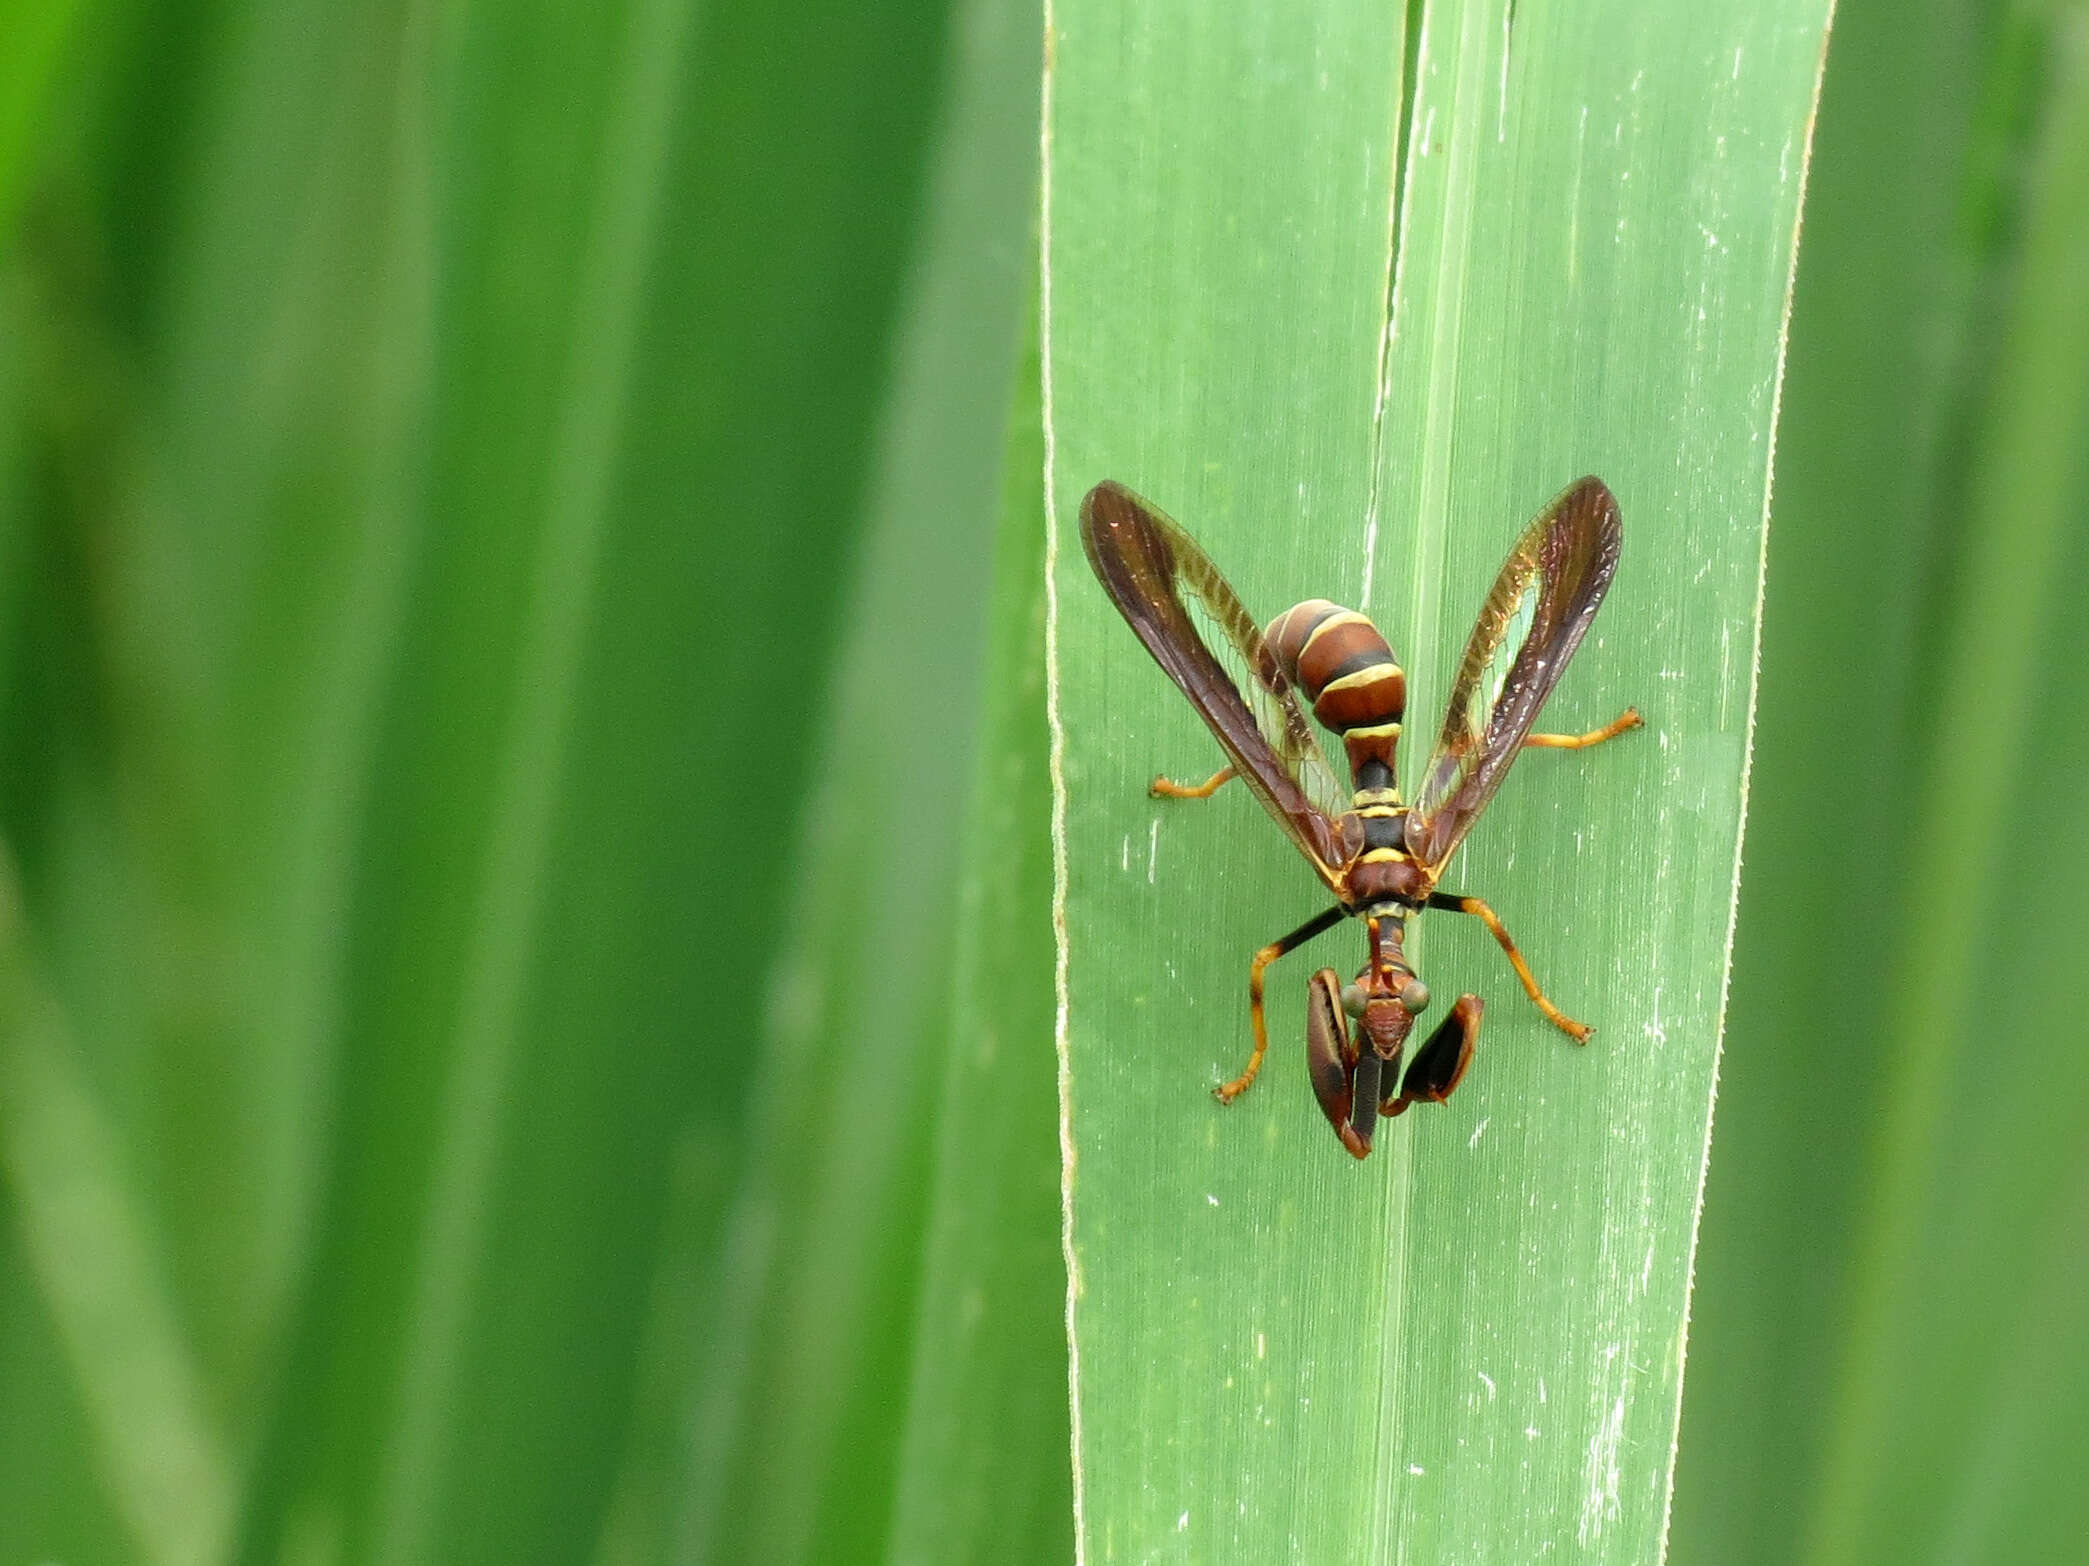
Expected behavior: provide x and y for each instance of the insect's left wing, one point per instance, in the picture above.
(1540, 607)
(1156, 575)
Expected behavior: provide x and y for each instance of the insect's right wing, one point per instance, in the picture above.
(1548, 591)
(1156, 575)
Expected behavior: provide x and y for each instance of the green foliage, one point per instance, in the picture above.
(1470, 1347)
(1884, 1354)
(526, 876)
(437, 450)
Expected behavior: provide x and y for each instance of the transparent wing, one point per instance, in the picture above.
(1204, 638)
(1226, 631)
(1540, 607)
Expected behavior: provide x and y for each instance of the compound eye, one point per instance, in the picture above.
(1353, 999)
(1414, 995)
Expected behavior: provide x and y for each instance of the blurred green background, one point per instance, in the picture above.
(518, 648)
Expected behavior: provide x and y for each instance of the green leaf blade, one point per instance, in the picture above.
(1471, 1346)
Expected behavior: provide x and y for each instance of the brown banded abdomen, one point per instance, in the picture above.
(1345, 667)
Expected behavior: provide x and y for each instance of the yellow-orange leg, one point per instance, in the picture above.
(1577, 1031)
(1227, 1092)
(1165, 788)
(1628, 719)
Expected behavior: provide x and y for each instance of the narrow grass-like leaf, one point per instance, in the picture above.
(401, 926)
(1880, 312)
(214, 552)
(815, 1343)
(628, 191)
(1356, 376)
(984, 1475)
(1890, 1365)
(156, 1441)
(2002, 1195)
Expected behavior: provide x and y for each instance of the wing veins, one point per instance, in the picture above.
(1147, 563)
(1535, 615)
